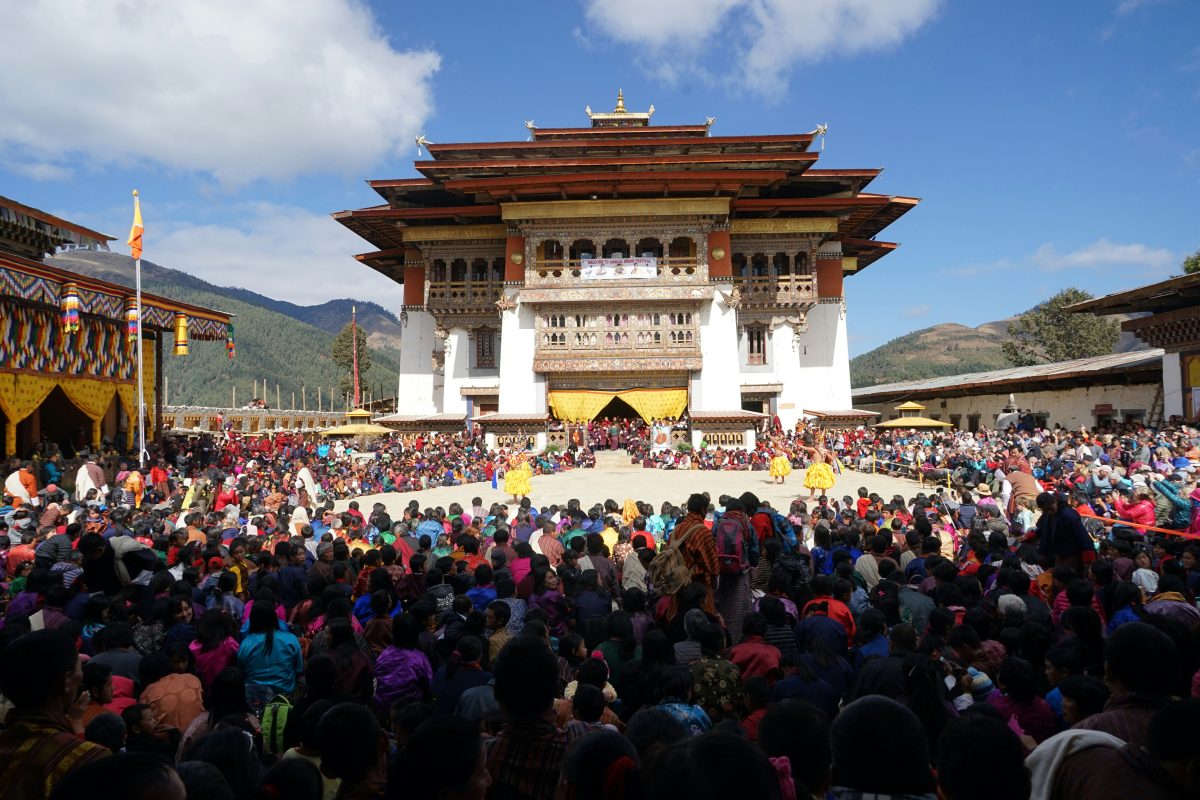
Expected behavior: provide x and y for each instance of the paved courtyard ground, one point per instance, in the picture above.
(614, 477)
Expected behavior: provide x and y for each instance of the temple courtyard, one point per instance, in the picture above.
(614, 477)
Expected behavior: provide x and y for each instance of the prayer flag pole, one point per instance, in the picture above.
(354, 350)
(135, 244)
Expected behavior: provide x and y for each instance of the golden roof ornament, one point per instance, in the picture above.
(620, 116)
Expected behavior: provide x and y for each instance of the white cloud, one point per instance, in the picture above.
(1103, 253)
(1129, 6)
(283, 252)
(756, 43)
(917, 311)
(241, 91)
(38, 170)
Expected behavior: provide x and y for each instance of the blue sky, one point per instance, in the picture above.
(1053, 143)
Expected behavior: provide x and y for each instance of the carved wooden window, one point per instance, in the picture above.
(485, 348)
(756, 345)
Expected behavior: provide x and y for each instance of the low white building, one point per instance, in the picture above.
(1092, 392)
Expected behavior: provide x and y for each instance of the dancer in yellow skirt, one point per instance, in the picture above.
(517, 477)
(819, 474)
(781, 465)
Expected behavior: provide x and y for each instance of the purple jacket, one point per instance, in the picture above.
(400, 675)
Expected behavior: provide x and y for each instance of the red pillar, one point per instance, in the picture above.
(414, 286)
(514, 269)
(718, 244)
(829, 277)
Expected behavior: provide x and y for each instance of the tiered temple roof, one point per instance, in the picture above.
(622, 157)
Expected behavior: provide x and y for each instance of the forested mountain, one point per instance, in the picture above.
(277, 342)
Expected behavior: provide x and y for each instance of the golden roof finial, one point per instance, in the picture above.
(620, 109)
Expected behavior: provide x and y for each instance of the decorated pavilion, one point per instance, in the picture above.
(68, 365)
(623, 265)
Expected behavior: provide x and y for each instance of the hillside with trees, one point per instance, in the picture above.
(1036, 336)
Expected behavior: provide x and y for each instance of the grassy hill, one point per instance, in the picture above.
(277, 342)
(947, 349)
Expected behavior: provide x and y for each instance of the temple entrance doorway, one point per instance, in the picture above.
(618, 409)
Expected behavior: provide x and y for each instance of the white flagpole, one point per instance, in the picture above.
(137, 273)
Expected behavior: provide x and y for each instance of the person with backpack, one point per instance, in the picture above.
(690, 548)
(737, 554)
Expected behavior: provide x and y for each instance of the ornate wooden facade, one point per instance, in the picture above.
(741, 243)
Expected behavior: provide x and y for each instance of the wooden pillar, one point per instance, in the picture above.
(159, 390)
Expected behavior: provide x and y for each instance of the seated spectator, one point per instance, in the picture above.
(40, 746)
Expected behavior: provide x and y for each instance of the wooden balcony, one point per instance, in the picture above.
(566, 272)
(464, 295)
(780, 290)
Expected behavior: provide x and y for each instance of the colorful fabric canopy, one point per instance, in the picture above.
(585, 404)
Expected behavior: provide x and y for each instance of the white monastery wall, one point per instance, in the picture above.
(523, 390)
(457, 373)
(415, 391)
(717, 387)
(1069, 408)
(816, 375)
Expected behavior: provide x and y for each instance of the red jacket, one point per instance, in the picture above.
(1141, 512)
(763, 525)
(837, 610)
(754, 657)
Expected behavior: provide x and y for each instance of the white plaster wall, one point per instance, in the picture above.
(816, 374)
(717, 388)
(523, 391)
(1069, 408)
(415, 391)
(457, 374)
(1172, 378)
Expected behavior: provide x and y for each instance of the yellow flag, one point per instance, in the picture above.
(135, 232)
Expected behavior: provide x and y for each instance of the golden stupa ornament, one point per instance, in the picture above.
(620, 116)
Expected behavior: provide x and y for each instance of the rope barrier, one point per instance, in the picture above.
(1140, 526)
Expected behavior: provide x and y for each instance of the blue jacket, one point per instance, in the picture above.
(1181, 507)
(278, 668)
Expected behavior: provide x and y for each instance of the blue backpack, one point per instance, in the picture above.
(784, 529)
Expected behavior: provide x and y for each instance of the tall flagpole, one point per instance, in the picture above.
(137, 273)
(354, 349)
